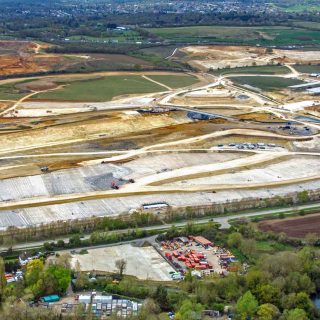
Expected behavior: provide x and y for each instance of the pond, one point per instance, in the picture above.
(310, 119)
(316, 301)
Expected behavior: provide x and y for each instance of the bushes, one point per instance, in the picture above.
(127, 287)
(303, 196)
(68, 227)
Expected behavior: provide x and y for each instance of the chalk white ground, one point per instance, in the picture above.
(116, 206)
(284, 170)
(46, 108)
(217, 57)
(296, 106)
(100, 176)
(143, 262)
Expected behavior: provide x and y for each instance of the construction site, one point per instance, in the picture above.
(196, 139)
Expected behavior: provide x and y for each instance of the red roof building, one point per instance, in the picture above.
(203, 241)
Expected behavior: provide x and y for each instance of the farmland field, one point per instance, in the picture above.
(306, 68)
(254, 70)
(102, 89)
(293, 227)
(241, 35)
(266, 83)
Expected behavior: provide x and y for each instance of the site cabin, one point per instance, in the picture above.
(86, 299)
(156, 207)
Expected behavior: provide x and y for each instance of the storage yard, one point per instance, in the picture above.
(142, 262)
(193, 139)
(169, 260)
(197, 254)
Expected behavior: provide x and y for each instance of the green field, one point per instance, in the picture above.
(306, 68)
(269, 246)
(307, 24)
(302, 7)
(174, 81)
(253, 70)
(102, 89)
(9, 91)
(239, 35)
(127, 36)
(266, 83)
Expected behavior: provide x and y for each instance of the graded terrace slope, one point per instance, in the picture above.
(197, 140)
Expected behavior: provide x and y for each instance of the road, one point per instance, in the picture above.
(223, 221)
(125, 152)
(216, 134)
(172, 54)
(13, 108)
(157, 82)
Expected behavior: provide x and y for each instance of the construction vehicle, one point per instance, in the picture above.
(114, 185)
(44, 169)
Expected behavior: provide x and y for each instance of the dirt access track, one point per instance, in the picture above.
(293, 227)
(140, 149)
(219, 57)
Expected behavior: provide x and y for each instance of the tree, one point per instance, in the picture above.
(303, 301)
(48, 246)
(60, 243)
(189, 310)
(247, 305)
(161, 297)
(33, 272)
(235, 239)
(267, 294)
(295, 314)
(311, 239)
(62, 277)
(2, 279)
(148, 309)
(64, 260)
(268, 312)
(82, 281)
(281, 263)
(248, 247)
(297, 300)
(303, 196)
(9, 241)
(75, 240)
(255, 277)
(121, 265)
(297, 282)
